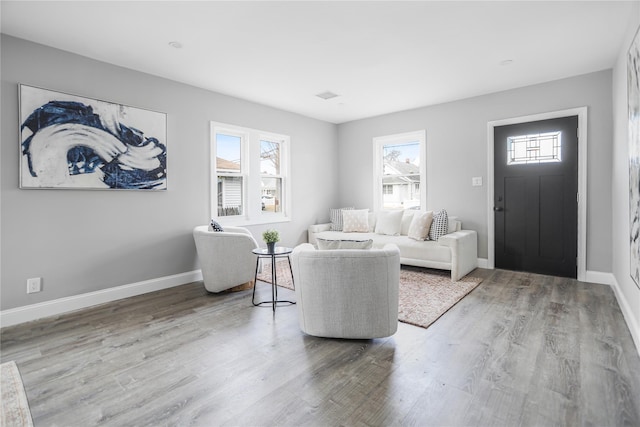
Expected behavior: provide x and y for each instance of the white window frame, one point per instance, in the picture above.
(251, 174)
(398, 139)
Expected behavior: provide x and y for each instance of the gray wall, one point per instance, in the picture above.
(457, 151)
(82, 241)
(620, 187)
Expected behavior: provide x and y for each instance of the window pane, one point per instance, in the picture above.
(271, 197)
(401, 176)
(229, 195)
(228, 153)
(401, 159)
(401, 192)
(269, 158)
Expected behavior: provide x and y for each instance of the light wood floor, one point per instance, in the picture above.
(521, 349)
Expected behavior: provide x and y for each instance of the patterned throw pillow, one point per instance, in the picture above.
(335, 215)
(215, 226)
(355, 220)
(440, 225)
(420, 225)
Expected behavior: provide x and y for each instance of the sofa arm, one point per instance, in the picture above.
(239, 230)
(303, 247)
(316, 228)
(464, 252)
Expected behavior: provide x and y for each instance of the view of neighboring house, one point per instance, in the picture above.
(400, 184)
(229, 188)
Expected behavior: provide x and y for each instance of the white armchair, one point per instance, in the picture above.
(225, 256)
(347, 293)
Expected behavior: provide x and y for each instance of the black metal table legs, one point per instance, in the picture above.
(274, 282)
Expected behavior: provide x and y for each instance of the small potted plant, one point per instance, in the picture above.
(271, 237)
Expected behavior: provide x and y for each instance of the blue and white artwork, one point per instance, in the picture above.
(68, 141)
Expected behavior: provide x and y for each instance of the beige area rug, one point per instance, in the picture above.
(15, 408)
(425, 294)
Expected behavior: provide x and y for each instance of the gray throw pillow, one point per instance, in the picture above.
(326, 244)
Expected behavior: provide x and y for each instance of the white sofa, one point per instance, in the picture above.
(456, 251)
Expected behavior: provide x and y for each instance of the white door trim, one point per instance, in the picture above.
(581, 112)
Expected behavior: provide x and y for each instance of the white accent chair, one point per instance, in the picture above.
(347, 293)
(225, 256)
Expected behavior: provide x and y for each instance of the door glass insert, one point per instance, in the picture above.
(536, 148)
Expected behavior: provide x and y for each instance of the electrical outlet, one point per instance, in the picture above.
(34, 285)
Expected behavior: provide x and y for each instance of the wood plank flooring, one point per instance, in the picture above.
(519, 350)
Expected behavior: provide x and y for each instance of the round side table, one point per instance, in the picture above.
(278, 252)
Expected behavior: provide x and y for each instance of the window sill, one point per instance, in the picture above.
(245, 222)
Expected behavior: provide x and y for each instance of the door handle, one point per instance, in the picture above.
(497, 209)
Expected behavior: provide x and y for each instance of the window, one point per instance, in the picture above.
(229, 173)
(249, 175)
(539, 148)
(271, 185)
(400, 171)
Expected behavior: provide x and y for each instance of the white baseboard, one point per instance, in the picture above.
(599, 277)
(55, 307)
(483, 263)
(629, 316)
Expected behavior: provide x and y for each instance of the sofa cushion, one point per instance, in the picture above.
(440, 225)
(389, 222)
(422, 250)
(355, 220)
(335, 215)
(409, 248)
(325, 244)
(420, 225)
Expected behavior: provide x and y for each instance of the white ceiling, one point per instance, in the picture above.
(380, 57)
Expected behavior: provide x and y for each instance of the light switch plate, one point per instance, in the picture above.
(476, 181)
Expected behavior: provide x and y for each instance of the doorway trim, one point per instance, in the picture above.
(581, 112)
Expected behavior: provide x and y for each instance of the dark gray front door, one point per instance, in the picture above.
(536, 187)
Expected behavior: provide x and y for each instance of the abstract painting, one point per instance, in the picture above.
(633, 98)
(73, 142)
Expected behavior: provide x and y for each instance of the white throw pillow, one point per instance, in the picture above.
(440, 225)
(407, 217)
(324, 244)
(420, 225)
(335, 215)
(355, 221)
(389, 222)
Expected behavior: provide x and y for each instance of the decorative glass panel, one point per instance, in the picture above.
(538, 148)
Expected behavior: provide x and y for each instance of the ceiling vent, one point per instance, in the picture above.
(327, 95)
